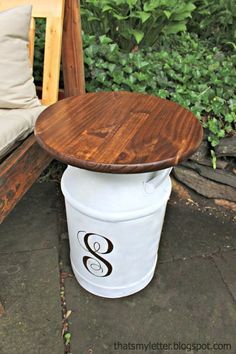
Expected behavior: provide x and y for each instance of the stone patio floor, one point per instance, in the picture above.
(191, 299)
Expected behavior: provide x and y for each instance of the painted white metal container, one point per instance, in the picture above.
(114, 223)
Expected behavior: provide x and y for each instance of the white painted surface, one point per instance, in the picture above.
(114, 224)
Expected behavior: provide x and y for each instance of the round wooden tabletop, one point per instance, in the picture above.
(118, 132)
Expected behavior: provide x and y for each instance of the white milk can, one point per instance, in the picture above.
(114, 223)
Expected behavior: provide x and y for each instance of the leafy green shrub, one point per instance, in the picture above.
(135, 22)
(182, 69)
(215, 20)
(39, 49)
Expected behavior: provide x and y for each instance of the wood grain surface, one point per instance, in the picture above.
(72, 50)
(118, 132)
(19, 171)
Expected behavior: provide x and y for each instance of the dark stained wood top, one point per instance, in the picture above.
(118, 132)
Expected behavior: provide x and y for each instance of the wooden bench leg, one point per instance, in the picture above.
(19, 171)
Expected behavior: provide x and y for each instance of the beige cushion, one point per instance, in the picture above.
(17, 88)
(15, 125)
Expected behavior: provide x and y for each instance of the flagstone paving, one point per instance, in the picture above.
(191, 299)
(29, 276)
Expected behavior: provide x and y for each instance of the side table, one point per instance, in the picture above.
(120, 148)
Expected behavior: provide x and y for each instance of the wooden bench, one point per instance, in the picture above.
(63, 36)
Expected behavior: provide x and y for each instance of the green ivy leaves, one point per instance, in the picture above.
(182, 69)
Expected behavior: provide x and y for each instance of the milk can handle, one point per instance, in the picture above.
(151, 185)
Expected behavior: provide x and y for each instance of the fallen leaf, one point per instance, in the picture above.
(67, 314)
(226, 204)
(67, 337)
(181, 190)
(1, 309)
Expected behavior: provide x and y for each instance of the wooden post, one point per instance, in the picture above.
(72, 50)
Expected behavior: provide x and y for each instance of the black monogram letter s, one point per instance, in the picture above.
(96, 244)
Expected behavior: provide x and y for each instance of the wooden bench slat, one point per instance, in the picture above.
(31, 40)
(52, 59)
(41, 8)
